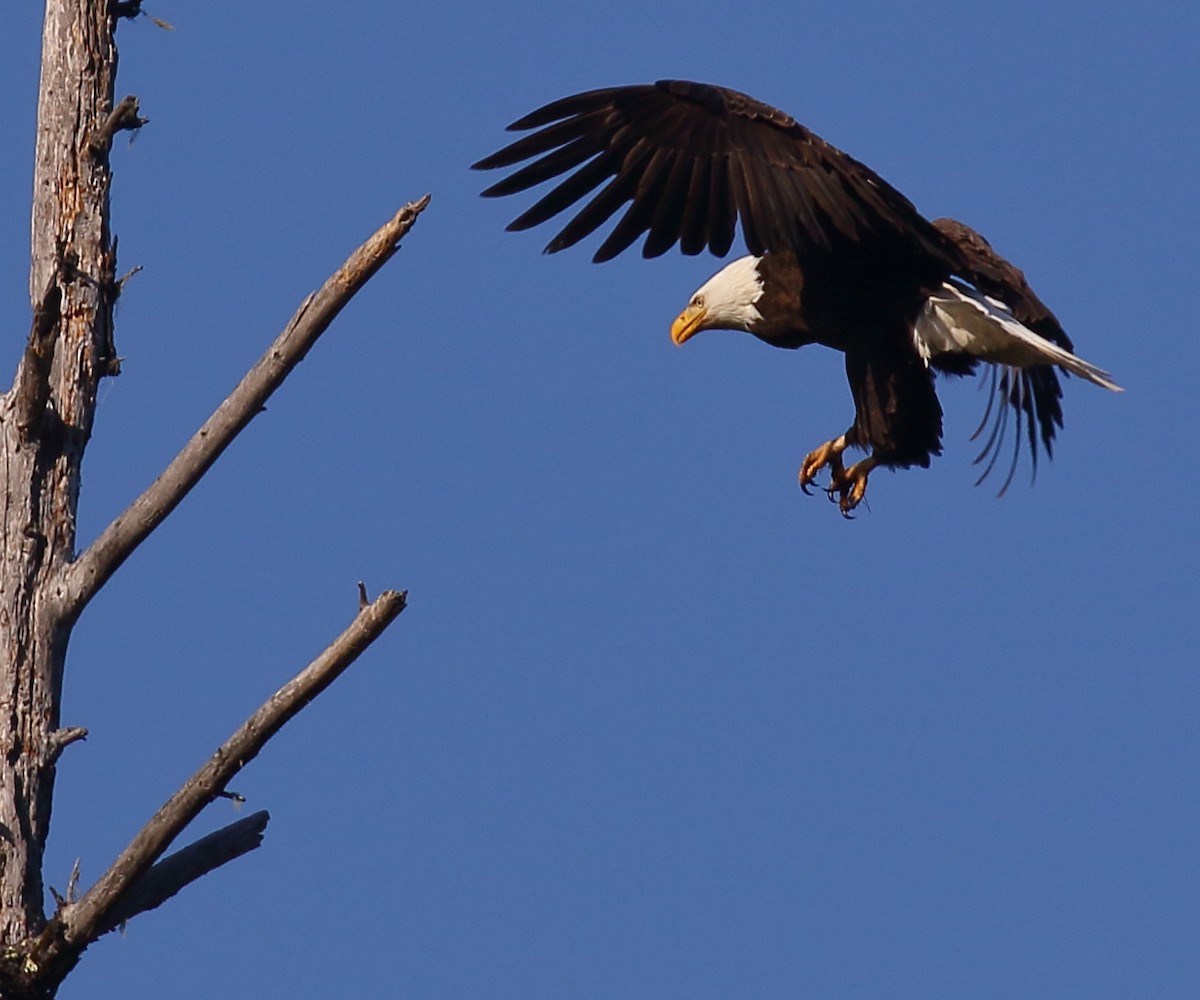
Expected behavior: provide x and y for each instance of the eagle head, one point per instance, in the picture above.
(725, 302)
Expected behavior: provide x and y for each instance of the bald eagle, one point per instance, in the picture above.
(837, 257)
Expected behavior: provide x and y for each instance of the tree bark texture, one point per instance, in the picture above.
(45, 422)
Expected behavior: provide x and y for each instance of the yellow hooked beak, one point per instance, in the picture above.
(688, 323)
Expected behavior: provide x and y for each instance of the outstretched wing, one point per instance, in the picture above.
(691, 159)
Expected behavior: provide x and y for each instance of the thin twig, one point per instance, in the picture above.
(77, 925)
(92, 569)
(124, 117)
(60, 739)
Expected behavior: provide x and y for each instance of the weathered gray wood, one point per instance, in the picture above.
(185, 866)
(78, 924)
(45, 422)
(114, 545)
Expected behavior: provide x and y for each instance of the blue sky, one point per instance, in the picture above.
(655, 724)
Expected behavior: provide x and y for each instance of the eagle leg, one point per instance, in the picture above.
(849, 486)
(829, 454)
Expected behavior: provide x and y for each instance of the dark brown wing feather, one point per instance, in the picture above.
(690, 159)
(997, 277)
(1033, 395)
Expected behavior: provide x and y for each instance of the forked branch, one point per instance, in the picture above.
(78, 924)
(165, 878)
(91, 570)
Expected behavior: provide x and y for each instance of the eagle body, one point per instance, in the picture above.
(870, 322)
(838, 257)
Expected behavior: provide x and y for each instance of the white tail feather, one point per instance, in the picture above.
(960, 320)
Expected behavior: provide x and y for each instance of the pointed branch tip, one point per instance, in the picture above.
(107, 903)
(164, 879)
(100, 560)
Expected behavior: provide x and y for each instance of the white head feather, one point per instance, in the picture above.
(729, 296)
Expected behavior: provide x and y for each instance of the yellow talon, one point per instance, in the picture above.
(850, 485)
(829, 454)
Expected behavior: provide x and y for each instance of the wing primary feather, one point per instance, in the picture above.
(722, 220)
(655, 173)
(677, 133)
(1028, 402)
(559, 134)
(638, 217)
(1010, 393)
(991, 401)
(1018, 407)
(1047, 394)
(765, 209)
(995, 438)
(631, 225)
(691, 224)
(774, 218)
(595, 213)
(744, 203)
(576, 104)
(1012, 466)
(668, 213)
(561, 197)
(993, 447)
(551, 165)
(694, 226)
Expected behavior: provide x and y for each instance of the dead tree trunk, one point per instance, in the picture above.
(45, 423)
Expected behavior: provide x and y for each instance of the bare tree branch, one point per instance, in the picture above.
(185, 866)
(56, 950)
(124, 117)
(60, 739)
(46, 421)
(92, 569)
